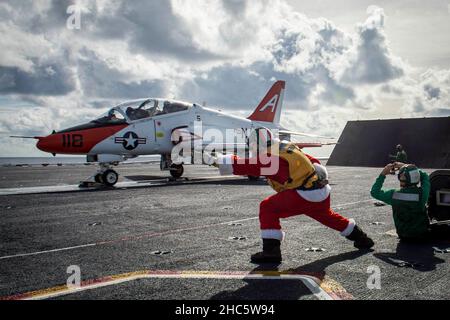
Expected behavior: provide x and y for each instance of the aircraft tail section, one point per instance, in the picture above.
(269, 110)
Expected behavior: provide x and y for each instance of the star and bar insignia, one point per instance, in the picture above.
(130, 140)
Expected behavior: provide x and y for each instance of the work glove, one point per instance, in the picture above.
(388, 169)
(210, 160)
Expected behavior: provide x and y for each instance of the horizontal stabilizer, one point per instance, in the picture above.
(293, 133)
(313, 145)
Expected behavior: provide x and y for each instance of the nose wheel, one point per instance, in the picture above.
(110, 177)
(105, 176)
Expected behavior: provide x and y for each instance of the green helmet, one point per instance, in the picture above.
(409, 174)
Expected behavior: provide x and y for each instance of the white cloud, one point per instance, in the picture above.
(430, 95)
(370, 60)
(226, 53)
(19, 47)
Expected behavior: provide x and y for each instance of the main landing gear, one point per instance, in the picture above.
(176, 170)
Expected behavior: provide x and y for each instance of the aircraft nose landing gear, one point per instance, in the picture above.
(109, 177)
(105, 176)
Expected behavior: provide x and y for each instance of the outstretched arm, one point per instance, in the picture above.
(271, 167)
(232, 164)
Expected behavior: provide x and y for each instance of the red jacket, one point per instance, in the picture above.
(252, 167)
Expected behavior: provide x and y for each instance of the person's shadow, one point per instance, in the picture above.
(264, 289)
(419, 256)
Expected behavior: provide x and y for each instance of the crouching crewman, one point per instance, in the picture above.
(408, 203)
(302, 187)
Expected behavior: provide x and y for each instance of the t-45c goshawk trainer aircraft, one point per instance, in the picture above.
(154, 126)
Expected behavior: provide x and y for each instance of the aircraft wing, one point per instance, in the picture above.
(243, 146)
(188, 139)
(229, 146)
(211, 146)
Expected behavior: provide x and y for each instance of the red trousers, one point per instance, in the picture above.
(289, 203)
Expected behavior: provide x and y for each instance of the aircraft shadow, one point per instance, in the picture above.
(194, 181)
(138, 178)
(144, 178)
(140, 184)
(284, 289)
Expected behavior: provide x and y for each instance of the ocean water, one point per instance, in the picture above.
(33, 161)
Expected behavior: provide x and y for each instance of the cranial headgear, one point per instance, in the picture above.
(409, 174)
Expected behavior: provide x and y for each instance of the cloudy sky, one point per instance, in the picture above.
(342, 60)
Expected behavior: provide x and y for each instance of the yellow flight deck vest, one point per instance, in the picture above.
(301, 171)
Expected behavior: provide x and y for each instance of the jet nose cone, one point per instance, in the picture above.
(47, 144)
(41, 144)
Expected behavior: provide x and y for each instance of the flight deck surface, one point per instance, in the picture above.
(151, 238)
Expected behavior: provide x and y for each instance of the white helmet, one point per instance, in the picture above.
(321, 171)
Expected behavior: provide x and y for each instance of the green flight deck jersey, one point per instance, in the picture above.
(408, 206)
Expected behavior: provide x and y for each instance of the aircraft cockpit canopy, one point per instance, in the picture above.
(113, 116)
(151, 108)
(142, 109)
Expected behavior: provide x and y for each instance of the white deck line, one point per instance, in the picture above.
(162, 233)
(120, 185)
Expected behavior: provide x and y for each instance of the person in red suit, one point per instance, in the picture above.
(301, 183)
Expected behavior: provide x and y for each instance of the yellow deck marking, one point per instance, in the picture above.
(326, 289)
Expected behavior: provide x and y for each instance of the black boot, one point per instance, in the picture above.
(360, 239)
(271, 252)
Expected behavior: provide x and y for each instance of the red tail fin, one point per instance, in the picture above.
(269, 110)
